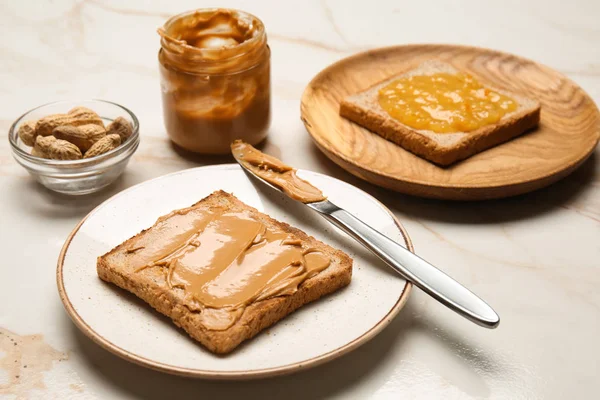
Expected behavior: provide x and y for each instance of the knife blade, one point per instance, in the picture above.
(413, 268)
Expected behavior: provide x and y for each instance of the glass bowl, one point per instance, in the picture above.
(76, 177)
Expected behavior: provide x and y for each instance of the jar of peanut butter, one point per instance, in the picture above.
(215, 79)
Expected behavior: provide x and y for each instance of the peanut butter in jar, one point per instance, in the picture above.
(215, 79)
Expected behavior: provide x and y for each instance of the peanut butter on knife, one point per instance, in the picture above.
(276, 172)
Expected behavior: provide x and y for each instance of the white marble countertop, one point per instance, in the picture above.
(534, 257)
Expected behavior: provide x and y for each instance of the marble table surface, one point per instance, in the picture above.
(533, 257)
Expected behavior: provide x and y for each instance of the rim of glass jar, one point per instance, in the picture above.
(217, 74)
(242, 47)
(84, 162)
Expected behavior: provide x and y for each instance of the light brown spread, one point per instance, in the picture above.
(215, 70)
(211, 29)
(224, 261)
(276, 172)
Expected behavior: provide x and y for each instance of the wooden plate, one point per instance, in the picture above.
(566, 137)
(316, 333)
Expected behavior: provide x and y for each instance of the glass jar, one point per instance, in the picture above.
(215, 79)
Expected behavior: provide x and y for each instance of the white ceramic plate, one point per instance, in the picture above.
(318, 332)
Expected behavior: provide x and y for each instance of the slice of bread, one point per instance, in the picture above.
(441, 148)
(150, 284)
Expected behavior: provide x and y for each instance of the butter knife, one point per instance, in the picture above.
(410, 266)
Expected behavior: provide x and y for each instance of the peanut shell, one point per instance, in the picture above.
(103, 145)
(121, 127)
(83, 136)
(63, 150)
(46, 125)
(42, 146)
(79, 110)
(27, 132)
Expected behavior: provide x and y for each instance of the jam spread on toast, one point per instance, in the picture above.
(225, 260)
(276, 172)
(444, 102)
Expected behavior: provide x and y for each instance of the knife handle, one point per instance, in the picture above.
(412, 267)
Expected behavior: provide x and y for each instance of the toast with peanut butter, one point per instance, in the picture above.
(441, 114)
(223, 271)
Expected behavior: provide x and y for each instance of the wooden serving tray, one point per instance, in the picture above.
(567, 135)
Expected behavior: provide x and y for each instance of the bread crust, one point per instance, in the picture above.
(150, 285)
(441, 148)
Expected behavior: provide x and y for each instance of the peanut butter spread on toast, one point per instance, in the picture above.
(224, 260)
